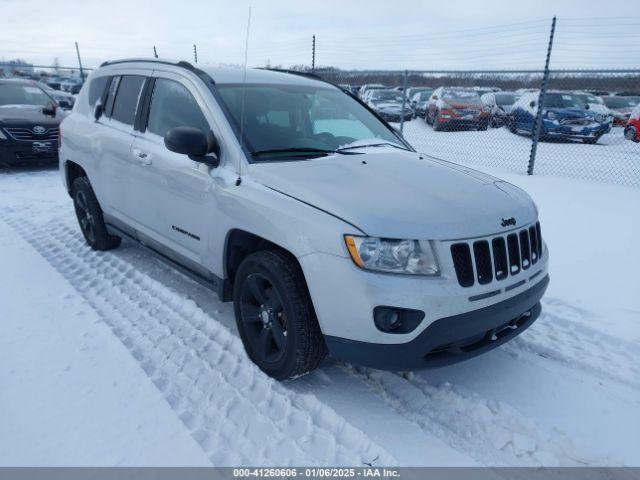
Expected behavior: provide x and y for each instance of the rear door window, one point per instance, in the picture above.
(127, 98)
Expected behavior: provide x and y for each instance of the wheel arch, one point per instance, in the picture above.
(72, 171)
(241, 243)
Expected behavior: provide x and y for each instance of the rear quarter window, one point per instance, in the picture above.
(96, 89)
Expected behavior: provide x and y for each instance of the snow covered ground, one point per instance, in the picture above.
(115, 359)
(613, 159)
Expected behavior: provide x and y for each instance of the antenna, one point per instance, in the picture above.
(155, 53)
(195, 53)
(244, 83)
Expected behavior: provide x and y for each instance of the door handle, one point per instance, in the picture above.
(143, 157)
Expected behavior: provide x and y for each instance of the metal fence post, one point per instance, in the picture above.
(404, 99)
(537, 125)
(79, 62)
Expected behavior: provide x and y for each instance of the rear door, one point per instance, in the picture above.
(179, 207)
(113, 148)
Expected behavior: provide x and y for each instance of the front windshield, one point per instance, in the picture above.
(461, 95)
(388, 95)
(506, 98)
(285, 117)
(621, 102)
(20, 94)
(563, 100)
(590, 99)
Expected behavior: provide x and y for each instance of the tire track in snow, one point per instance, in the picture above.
(494, 433)
(235, 412)
(435, 409)
(560, 335)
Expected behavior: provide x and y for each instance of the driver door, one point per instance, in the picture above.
(179, 204)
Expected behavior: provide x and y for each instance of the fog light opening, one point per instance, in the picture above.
(396, 320)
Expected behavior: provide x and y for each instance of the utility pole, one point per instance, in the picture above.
(195, 53)
(313, 54)
(79, 62)
(404, 100)
(155, 53)
(537, 126)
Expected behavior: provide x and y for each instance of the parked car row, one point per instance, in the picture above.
(566, 115)
(29, 121)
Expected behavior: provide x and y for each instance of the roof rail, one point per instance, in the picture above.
(181, 63)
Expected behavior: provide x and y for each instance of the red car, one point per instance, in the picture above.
(458, 108)
(621, 107)
(632, 130)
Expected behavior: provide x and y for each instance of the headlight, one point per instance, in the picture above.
(412, 257)
(551, 115)
(2, 136)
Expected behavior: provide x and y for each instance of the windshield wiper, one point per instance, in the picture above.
(381, 144)
(293, 150)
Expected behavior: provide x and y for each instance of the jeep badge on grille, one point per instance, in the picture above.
(508, 221)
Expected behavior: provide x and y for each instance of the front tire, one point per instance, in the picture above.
(275, 316)
(90, 217)
(437, 126)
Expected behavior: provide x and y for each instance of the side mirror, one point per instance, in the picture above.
(50, 109)
(435, 97)
(193, 142)
(586, 106)
(532, 104)
(99, 110)
(64, 104)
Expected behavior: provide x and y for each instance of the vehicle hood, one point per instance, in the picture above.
(28, 115)
(395, 194)
(464, 105)
(570, 112)
(622, 111)
(388, 106)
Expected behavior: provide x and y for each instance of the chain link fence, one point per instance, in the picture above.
(586, 128)
(488, 118)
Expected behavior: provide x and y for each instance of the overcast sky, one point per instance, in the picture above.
(440, 34)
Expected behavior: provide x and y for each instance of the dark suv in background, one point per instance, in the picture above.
(29, 121)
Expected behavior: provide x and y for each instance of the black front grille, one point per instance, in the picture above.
(498, 259)
(482, 254)
(27, 135)
(462, 260)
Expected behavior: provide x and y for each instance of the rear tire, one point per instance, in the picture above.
(275, 315)
(90, 217)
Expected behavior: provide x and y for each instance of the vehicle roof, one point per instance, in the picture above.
(25, 81)
(225, 75)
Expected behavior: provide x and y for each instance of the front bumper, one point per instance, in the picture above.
(555, 130)
(13, 153)
(449, 340)
(463, 120)
(396, 117)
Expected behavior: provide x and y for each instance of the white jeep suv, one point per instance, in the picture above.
(291, 198)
